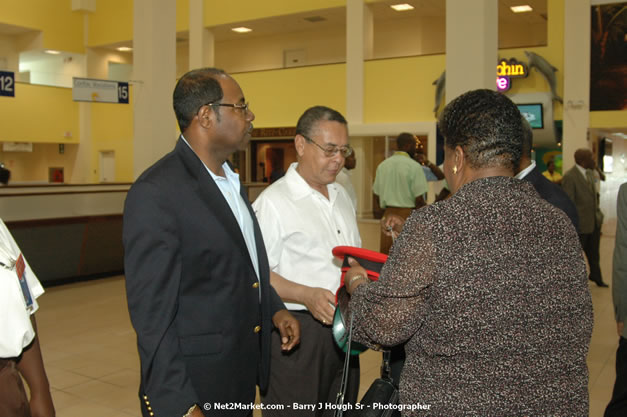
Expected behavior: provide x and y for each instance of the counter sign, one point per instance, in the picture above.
(103, 91)
(7, 83)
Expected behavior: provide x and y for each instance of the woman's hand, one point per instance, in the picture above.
(355, 276)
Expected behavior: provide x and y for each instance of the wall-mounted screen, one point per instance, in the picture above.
(533, 113)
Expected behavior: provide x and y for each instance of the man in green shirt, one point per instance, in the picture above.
(399, 185)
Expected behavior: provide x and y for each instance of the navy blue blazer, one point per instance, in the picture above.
(554, 194)
(203, 320)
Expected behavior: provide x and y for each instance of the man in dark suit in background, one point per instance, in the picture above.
(197, 275)
(578, 182)
(549, 191)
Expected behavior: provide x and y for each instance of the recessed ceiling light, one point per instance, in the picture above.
(124, 49)
(242, 29)
(52, 52)
(402, 7)
(521, 9)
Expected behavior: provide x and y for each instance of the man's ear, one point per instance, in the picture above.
(206, 117)
(299, 144)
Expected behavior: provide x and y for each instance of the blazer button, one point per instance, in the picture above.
(256, 285)
(257, 329)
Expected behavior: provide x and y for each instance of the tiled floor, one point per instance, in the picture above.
(90, 354)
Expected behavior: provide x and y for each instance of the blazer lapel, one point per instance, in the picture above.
(211, 195)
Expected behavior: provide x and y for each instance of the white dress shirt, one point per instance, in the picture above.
(229, 187)
(300, 227)
(16, 330)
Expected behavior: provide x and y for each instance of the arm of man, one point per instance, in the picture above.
(152, 264)
(419, 185)
(319, 301)
(436, 170)
(31, 366)
(377, 211)
(568, 185)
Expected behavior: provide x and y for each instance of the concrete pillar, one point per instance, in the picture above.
(471, 46)
(359, 45)
(201, 40)
(83, 168)
(154, 69)
(576, 110)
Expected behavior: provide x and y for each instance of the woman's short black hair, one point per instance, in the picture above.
(195, 89)
(487, 125)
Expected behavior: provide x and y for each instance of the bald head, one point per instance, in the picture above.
(583, 158)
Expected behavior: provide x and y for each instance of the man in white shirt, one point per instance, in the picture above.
(302, 217)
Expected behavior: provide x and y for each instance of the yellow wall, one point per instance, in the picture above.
(218, 12)
(112, 22)
(608, 119)
(33, 166)
(112, 130)
(62, 28)
(39, 114)
(279, 97)
(401, 90)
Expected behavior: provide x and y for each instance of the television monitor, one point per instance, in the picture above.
(533, 113)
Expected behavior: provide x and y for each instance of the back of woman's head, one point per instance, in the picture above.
(487, 125)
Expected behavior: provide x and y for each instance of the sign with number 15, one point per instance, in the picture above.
(7, 83)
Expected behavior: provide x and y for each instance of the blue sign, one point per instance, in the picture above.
(7, 83)
(122, 92)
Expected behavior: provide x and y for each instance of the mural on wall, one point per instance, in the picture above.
(608, 57)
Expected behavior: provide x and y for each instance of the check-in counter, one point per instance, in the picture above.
(71, 232)
(67, 232)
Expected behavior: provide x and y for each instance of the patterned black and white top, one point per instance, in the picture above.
(489, 290)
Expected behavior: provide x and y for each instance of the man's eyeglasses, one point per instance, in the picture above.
(243, 107)
(331, 150)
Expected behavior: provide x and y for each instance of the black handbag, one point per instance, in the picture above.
(380, 398)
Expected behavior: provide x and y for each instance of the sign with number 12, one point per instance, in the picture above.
(7, 83)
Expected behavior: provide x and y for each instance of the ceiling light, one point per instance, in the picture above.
(52, 52)
(124, 49)
(402, 7)
(242, 29)
(521, 9)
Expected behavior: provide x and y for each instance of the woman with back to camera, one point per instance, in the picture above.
(488, 288)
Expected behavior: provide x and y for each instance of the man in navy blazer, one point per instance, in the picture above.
(549, 191)
(197, 275)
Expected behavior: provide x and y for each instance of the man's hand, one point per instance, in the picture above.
(319, 302)
(620, 325)
(288, 327)
(391, 225)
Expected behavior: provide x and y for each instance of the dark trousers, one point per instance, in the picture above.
(13, 400)
(618, 404)
(590, 244)
(311, 374)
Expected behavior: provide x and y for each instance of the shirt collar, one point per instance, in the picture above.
(228, 172)
(402, 153)
(522, 174)
(300, 189)
(581, 169)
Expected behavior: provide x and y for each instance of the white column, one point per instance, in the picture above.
(359, 34)
(82, 170)
(154, 72)
(576, 111)
(471, 46)
(201, 40)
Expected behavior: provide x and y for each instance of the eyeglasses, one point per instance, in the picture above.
(331, 150)
(243, 107)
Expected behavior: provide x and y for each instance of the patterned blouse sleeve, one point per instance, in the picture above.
(391, 310)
